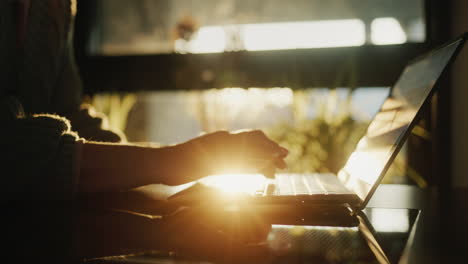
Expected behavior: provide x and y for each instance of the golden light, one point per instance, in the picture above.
(387, 220)
(367, 165)
(210, 39)
(236, 183)
(305, 227)
(386, 31)
(308, 34)
(276, 36)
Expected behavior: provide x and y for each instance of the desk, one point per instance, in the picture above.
(86, 232)
(280, 239)
(290, 242)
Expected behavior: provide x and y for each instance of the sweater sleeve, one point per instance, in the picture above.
(41, 155)
(93, 125)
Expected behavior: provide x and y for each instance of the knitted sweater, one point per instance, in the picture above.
(40, 109)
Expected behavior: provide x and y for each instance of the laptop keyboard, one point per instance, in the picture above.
(307, 184)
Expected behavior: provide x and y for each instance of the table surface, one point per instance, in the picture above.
(400, 225)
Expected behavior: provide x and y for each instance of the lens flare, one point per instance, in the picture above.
(235, 183)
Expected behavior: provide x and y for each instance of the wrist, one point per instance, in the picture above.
(182, 163)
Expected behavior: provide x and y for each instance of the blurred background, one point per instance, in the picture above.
(311, 74)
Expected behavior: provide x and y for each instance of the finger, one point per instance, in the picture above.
(280, 163)
(277, 156)
(283, 152)
(258, 144)
(268, 172)
(267, 168)
(256, 137)
(269, 144)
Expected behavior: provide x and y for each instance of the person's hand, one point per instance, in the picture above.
(106, 167)
(225, 152)
(224, 233)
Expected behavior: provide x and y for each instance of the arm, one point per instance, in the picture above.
(115, 167)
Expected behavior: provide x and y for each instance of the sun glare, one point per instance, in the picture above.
(387, 220)
(366, 165)
(235, 183)
(277, 36)
(386, 31)
(309, 34)
(292, 35)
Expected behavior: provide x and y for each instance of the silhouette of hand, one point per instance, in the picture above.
(225, 152)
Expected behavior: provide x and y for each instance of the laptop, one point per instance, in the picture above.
(356, 182)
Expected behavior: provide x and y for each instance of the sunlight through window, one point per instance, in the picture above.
(367, 165)
(297, 35)
(385, 220)
(277, 36)
(207, 40)
(386, 31)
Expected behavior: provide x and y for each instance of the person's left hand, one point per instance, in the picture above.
(225, 152)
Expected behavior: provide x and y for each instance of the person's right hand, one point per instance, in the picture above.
(223, 232)
(106, 167)
(225, 152)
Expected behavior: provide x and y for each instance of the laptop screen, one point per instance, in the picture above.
(368, 163)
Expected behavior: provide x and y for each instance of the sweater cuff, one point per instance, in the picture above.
(68, 166)
(65, 168)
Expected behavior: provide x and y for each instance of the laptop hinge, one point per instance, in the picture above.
(353, 210)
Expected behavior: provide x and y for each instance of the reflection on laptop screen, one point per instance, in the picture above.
(367, 164)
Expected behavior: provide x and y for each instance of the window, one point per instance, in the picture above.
(210, 26)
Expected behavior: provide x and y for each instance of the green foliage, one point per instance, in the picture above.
(321, 144)
(116, 107)
(316, 145)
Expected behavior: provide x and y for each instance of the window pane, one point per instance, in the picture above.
(166, 26)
